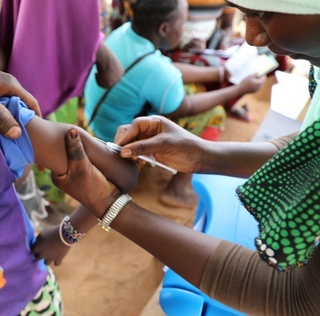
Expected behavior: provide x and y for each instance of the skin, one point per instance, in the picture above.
(109, 69)
(284, 34)
(184, 250)
(161, 137)
(48, 141)
(176, 147)
(135, 222)
(9, 86)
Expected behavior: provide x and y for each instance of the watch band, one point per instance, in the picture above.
(113, 211)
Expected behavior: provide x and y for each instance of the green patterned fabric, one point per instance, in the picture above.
(48, 301)
(284, 197)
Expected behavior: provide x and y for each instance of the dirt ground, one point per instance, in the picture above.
(105, 274)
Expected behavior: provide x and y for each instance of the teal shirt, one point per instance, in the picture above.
(155, 80)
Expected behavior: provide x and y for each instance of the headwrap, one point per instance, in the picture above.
(281, 6)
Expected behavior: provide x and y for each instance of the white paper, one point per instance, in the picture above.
(290, 95)
(246, 61)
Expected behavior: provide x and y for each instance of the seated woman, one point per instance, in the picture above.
(153, 85)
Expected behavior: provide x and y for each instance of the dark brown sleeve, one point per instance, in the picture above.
(283, 141)
(237, 277)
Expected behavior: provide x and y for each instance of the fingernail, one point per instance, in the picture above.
(74, 133)
(126, 152)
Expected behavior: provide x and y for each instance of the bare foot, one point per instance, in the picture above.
(186, 199)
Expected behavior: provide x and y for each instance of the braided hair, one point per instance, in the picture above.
(148, 15)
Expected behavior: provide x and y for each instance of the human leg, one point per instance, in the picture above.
(179, 192)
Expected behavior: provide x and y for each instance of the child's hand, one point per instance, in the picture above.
(49, 247)
(251, 84)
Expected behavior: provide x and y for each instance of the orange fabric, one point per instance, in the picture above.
(206, 2)
(229, 10)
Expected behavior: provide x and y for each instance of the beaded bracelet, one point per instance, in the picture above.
(69, 232)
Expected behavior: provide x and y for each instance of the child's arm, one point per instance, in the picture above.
(48, 140)
(49, 246)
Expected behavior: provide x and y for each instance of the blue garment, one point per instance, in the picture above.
(155, 80)
(21, 275)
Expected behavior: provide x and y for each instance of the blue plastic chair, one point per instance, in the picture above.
(219, 214)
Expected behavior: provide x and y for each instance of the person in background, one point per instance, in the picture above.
(153, 85)
(282, 191)
(62, 48)
(47, 48)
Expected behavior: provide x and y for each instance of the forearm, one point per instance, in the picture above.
(239, 159)
(204, 101)
(82, 219)
(197, 74)
(122, 172)
(48, 140)
(181, 248)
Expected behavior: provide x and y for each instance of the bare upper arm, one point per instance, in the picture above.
(183, 110)
(47, 139)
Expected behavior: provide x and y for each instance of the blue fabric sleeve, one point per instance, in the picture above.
(164, 87)
(18, 152)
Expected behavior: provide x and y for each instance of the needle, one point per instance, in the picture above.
(116, 148)
(153, 163)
